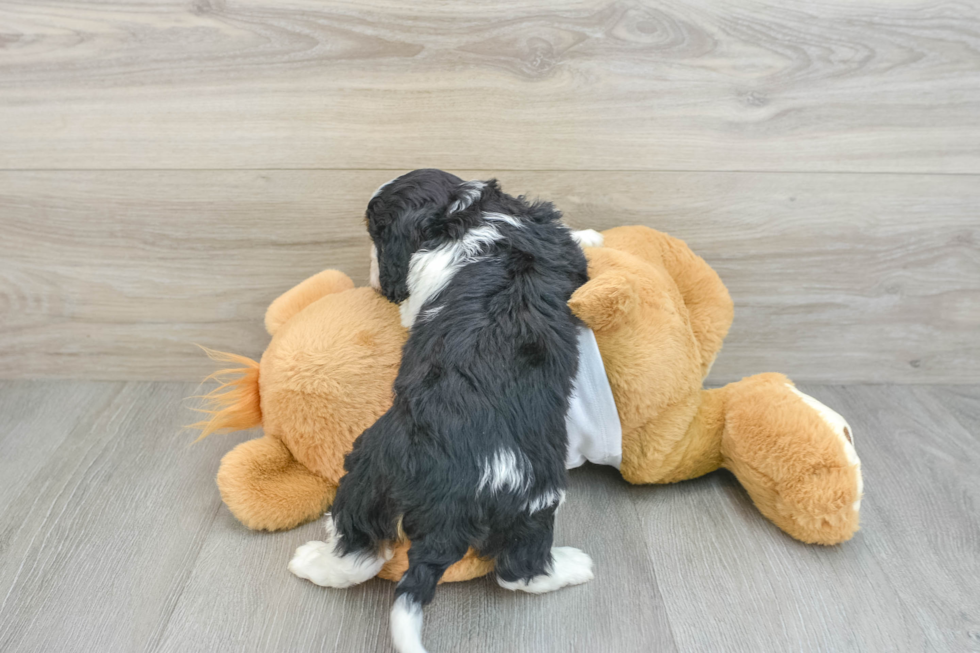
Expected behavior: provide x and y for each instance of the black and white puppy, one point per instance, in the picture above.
(472, 451)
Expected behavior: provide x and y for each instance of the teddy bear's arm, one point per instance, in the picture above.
(705, 296)
(300, 296)
(604, 300)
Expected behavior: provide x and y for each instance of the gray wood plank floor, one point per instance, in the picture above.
(113, 538)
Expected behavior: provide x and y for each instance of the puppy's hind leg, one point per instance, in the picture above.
(333, 564)
(357, 532)
(530, 563)
(428, 560)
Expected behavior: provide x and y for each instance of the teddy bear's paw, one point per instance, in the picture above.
(588, 238)
(844, 433)
(570, 566)
(319, 563)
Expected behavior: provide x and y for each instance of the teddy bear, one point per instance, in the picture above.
(658, 313)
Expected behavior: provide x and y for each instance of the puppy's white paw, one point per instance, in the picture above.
(313, 561)
(319, 563)
(571, 567)
(588, 238)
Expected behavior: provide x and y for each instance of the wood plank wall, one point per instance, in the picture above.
(167, 167)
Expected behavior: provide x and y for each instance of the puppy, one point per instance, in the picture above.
(472, 451)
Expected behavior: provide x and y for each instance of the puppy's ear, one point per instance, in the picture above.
(383, 225)
(395, 244)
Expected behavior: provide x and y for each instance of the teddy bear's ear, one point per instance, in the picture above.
(604, 300)
(299, 297)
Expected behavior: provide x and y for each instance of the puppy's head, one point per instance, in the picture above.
(403, 215)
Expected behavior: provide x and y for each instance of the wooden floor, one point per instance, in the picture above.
(113, 538)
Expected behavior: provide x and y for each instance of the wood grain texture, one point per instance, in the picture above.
(835, 277)
(877, 85)
(922, 447)
(113, 538)
(109, 526)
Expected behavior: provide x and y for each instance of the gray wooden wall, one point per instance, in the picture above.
(168, 167)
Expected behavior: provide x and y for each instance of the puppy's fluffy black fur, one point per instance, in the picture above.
(472, 451)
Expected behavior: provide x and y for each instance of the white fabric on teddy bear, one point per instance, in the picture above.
(594, 431)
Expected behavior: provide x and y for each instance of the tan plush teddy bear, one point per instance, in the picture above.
(659, 314)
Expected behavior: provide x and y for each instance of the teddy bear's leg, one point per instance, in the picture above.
(683, 442)
(795, 457)
(267, 489)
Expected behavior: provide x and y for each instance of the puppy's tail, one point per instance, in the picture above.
(416, 589)
(406, 625)
(234, 404)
